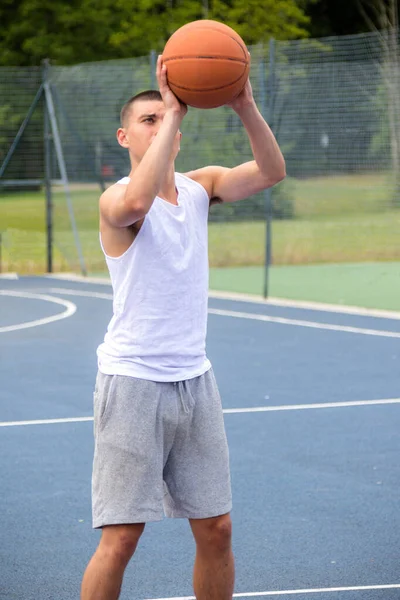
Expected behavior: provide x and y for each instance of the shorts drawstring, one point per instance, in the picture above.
(181, 390)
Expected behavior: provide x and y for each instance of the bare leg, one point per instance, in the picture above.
(214, 569)
(103, 577)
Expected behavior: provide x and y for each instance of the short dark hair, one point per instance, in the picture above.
(146, 95)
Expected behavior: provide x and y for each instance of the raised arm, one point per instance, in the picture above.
(122, 210)
(267, 168)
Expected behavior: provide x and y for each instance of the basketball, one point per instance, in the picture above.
(207, 64)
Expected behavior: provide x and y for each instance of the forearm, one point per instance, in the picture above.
(266, 151)
(149, 174)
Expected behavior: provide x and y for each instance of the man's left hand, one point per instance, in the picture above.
(244, 99)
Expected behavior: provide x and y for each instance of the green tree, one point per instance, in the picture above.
(257, 21)
(91, 30)
(31, 30)
(334, 17)
(254, 21)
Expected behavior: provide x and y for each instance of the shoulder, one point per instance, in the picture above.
(113, 193)
(207, 177)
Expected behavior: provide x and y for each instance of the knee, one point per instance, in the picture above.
(216, 535)
(119, 542)
(222, 533)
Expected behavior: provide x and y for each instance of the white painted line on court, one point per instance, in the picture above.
(300, 323)
(251, 298)
(355, 588)
(79, 278)
(307, 305)
(257, 409)
(45, 421)
(8, 275)
(70, 310)
(69, 292)
(255, 317)
(227, 411)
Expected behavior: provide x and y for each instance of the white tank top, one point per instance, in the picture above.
(160, 286)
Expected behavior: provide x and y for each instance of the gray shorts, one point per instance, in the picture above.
(160, 448)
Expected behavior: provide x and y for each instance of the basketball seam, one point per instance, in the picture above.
(239, 60)
(224, 33)
(221, 87)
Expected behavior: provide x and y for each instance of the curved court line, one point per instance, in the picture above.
(355, 588)
(255, 317)
(70, 310)
(227, 411)
(69, 292)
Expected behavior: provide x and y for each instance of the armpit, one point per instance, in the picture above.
(215, 200)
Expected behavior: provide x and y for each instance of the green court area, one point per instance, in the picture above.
(370, 285)
(341, 247)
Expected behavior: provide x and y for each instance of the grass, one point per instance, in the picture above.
(344, 195)
(338, 219)
(355, 238)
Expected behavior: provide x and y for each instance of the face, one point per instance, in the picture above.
(143, 123)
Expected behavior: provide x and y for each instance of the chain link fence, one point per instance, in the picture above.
(332, 103)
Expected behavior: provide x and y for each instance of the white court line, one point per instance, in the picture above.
(255, 317)
(307, 305)
(301, 323)
(69, 292)
(253, 299)
(358, 588)
(79, 278)
(227, 411)
(256, 409)
(70, 310)
(45, 421)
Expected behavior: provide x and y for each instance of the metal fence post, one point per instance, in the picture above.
(63, 171)
(268, 193)
(47, 174)
(21, 130)
(153, 65)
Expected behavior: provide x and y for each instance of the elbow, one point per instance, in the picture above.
(137, 208)
(281, 170)
(281, 176)
(140, 211)
(280, 173)
(275, 173)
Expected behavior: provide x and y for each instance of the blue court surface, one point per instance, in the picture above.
(312, 412)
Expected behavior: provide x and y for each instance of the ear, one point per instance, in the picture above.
(122, 138)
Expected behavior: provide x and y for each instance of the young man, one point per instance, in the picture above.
(160, 442)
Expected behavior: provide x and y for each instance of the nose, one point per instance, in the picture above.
(155, 131)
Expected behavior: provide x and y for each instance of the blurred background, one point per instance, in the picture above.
(326, 76)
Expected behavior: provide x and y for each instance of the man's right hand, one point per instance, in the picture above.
(171, 102)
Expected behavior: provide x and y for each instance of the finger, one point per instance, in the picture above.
(159, 63)
(164, 77)
(158, 74)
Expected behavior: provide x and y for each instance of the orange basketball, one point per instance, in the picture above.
(207, 63)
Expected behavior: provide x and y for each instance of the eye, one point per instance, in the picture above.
(149, 120)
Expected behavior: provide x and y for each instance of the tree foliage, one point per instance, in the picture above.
(31, 30)
(338, 17)
(91, 30)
